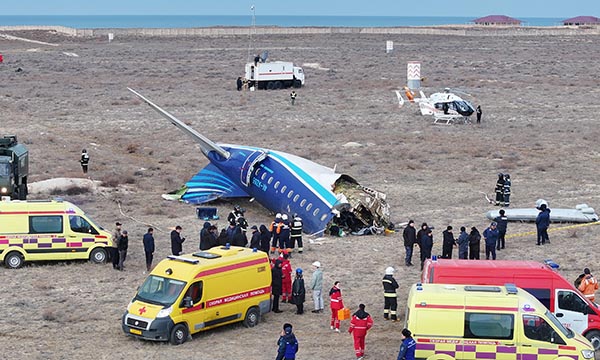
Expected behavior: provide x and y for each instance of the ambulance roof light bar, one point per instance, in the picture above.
(180, 258)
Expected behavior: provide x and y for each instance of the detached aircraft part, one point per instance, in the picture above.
(581, 214)
(281, 182)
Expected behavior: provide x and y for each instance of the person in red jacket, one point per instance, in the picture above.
(359, 325)
(336, 303)
(286, 282)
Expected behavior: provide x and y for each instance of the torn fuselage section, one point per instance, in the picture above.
(359, 206)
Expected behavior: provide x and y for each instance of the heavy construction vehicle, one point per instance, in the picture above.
(14, 168)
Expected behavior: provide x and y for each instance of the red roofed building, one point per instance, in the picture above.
(497, 20)
(582, 20)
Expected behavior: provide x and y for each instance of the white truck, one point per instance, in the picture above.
(274, 75)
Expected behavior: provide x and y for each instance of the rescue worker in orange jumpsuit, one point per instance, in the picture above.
(275, 229)
(336, 303)
(286, 282)
(359, 325)
(588, 285)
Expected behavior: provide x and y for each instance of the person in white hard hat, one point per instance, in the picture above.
(389, 295)
(316, 285)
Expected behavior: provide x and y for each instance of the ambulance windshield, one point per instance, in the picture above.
(566, 332)
(160, 291)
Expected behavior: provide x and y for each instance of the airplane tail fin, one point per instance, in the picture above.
(205, 143)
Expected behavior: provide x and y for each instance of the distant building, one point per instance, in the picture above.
(582, 20)
(497, 20)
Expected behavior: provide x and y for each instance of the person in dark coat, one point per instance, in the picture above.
(408, 346)
(123, 245)
(265, 238)
(287, 345)
(239, 83)
(500, 190)
(410, 238)
(491, 235)
(223, 238)
(425, 241)
(478, 112)
(507, 186)
(177, 241)
(298, 292)
(231, 229)
(542, 223)
(255, 239)
(474, 244)
(205, 236)
(276, 285)
(502, 222)
(448, 243)
(149, 248)
(239, 237)
(463, 243)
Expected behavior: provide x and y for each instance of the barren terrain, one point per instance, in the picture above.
(539, 97)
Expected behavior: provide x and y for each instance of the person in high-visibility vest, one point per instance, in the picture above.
(588, 285)
(389, 295)
(296, 233)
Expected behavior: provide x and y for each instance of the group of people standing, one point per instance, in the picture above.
(468, 244)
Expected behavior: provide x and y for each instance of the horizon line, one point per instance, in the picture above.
(245, 15)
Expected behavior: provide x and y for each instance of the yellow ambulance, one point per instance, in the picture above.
(487, 322)
(48, 230)
(190, 293)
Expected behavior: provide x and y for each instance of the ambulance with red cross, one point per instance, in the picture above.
(487, 322)
(190, 293)
(49, 230)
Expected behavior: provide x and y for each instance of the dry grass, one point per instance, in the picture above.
(430, 173)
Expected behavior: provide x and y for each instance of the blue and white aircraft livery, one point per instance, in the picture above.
(281, 182)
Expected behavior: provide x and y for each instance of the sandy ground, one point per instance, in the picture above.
(539, 98)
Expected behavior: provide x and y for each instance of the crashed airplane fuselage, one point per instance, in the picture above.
(280, 182)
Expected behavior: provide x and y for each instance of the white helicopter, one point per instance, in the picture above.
(446, 107)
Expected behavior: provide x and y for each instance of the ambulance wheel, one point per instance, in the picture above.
(594, 338)
(270, 85)
(252, 317)
(13, 260)
(98, 256)
(278, 85)
(297, 84)
(179, 334)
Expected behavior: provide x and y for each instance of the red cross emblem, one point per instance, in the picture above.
(142, 310)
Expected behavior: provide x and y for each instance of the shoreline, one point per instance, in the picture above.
(456, 30)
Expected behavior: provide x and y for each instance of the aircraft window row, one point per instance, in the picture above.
(290, 194)
(257, 172)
